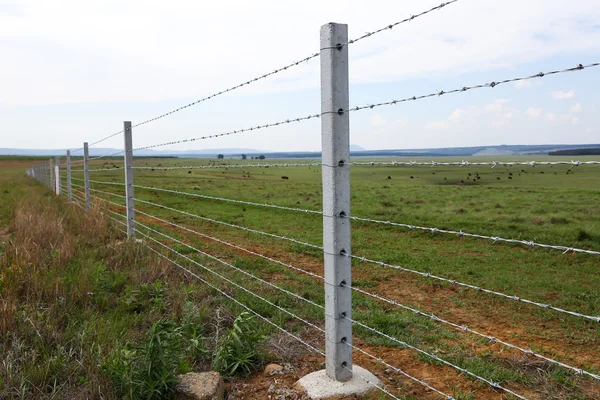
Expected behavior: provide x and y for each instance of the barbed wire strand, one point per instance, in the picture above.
(225, 278)
(250, 292)
(528, 243)
(287, 265)
(465, 163)
(492, 84)
(190, 272)
(253, 128)
(463, 328)
(465, 371)
(225, 166)
(380, 263)
(564, 249)
(234, 268)
(392, 25)
(274, 72)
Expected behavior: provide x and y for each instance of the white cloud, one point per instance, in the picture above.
(437, 125)
(457, 115)
(575, 120)
(559, 95)
(577, 108)
(497, 105)
(534, 112)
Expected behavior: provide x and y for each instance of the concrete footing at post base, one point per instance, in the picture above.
(318, 385)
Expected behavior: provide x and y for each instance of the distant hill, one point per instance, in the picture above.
(355, 150)
(576, 152)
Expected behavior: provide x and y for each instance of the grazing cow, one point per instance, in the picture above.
(189, 172)
(498, 177)
(412, 177)
(389, 178)
(284, 177)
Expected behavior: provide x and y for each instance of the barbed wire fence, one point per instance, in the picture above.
(151, 223)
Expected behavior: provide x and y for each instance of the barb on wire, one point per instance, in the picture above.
(462, 328)
(494, 239)
(492, 84)
(234, 267)
(565, 249)
(400, 371)
(380, 263)
(465, 163)
(465, 328)
(312, 274)
(392, 25)
(474, 287)
(188, 271)
(465, 371)
(261, 298)
(314, 246)
(203, 196)
(225, 166)
(227, 279)
(253, 128)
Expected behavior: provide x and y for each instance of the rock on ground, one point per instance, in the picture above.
(200, 386)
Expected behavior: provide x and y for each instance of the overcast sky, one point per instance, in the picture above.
(72, 71)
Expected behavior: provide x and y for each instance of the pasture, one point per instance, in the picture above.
(547, 204)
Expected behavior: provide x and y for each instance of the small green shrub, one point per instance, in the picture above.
(148, 371)
(240, 350)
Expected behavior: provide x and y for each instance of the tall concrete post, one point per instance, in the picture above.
(128, 158)
(69, 187)
(335, 141)
(57, 175)
(51, 176)
(86, 175)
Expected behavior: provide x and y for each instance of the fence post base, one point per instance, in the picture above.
(318, 385)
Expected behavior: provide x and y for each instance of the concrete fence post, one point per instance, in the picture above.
(129, 197)
(335, 141)
(69, 188)
(51, 171)
(57, 175)
(86, 175)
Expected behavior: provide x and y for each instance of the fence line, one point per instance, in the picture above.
(336, 216)
(528, 243)
(463, 328)
(373, 330)
(380, 263)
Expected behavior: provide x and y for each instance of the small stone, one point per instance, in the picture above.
(200, 386)
(272, 369)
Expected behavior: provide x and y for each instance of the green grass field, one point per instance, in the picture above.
(553, 205)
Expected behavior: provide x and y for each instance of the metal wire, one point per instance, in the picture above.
(565, 249)
(253, 128)
(465, 328)
(380, 263)
(203, 196)
(237, 269)
(228, 244)
(226, 279)
(231, 225)
(225, 166)
(477, 288)
(398, 370)
(391, 26)
(188, 271)
(495, 385)
(493, 84)
(261, 298)
(467, 163)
